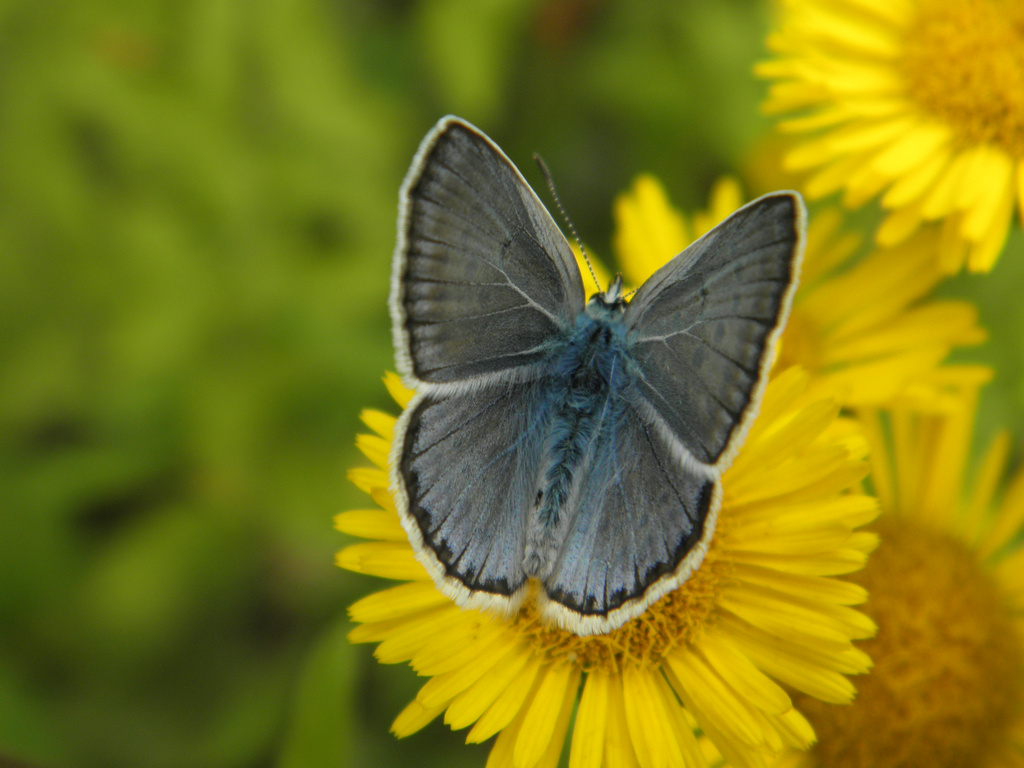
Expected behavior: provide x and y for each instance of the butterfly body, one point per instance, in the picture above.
(587, 382)
(576, 444)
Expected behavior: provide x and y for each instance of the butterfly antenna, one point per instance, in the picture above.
(558, 203)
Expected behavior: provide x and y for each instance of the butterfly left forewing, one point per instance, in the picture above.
(482, 279)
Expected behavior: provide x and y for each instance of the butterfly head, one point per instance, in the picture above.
(610, 302)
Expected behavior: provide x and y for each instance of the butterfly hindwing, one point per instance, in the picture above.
(482, 278)
(704, 325)
(465, 466)
(641, 524)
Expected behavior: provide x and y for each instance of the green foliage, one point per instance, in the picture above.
(197, 204)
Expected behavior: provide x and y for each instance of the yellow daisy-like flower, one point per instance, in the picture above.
(946, 587)
(761, 610)
(921, 101)
(867, 331)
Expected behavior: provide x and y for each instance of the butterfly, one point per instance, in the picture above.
(575, 445)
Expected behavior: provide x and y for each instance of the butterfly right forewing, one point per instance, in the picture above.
(704, 326)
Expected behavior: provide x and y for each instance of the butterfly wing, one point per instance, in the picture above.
(466, 466)
(483, 285)
(641, 523)
(482, 278)
(704, 326)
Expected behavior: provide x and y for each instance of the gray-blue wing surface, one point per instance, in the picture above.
(482, 279)
(703, 327)
(466, 468)
(640, 524)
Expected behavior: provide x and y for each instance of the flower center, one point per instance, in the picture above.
(964, 63)
(677, 619)
(948, 666)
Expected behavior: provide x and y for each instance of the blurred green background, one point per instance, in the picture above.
(197, 212)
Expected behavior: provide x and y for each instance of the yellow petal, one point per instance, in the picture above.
(824, 118)
(618, 747)
(813, 588)
(1008, 520)
(507, 704)
(381, 423)
(383, 498)
(367, 479)
(726, 196)
(588, 734)
(865, 80)
(941, 324)
(854, 36)
(953, 249)
(452, 651)
(680, 725)
(405, 637)
(398, 391)
(796, 732)
(915, 148)
(782, 618)
(739, 673)
(941, 199)
(648, 724)
(828, 246)
(501, 753)
(779, 442)
(402, 601)
(849, 511)
(896, 13)
(898, 225)
(880, 381)
(556, 744)
(863, 185)
(912, 185)
(986, 479)
(711, 701)
(375, 448)
(542, 715)
(834, 563)
(414, 717)
(983, 254)
(426, 621)
(389, 560)
(469, 705)
(649, 231)
(995, 182)
(856, 138)
(816, 474)
(370, 524)
(809, 669)
(881, 464)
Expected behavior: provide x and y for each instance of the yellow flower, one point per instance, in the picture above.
(762, 610)
(946, 587)
(866, 331)
(921, 101)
